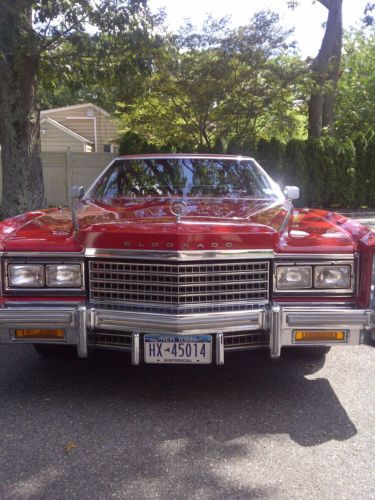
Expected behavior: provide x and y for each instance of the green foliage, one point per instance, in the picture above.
(131, 143)
(324, 169)
(370, 160)
(355, 105)
(295, 167)
(232, 85)
(362, 177)
(106, 57)
(270, 155)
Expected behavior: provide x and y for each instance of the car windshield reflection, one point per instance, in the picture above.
(184, 177)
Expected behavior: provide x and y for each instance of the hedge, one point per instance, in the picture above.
(330, 173)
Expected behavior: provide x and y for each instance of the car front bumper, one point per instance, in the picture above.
(272, 327)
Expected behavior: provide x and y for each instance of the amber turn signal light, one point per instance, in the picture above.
(39, 334)
(320, 336)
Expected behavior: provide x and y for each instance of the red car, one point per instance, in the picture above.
(183, 259)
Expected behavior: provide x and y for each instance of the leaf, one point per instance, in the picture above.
(69, 447)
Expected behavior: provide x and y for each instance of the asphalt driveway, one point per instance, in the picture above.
(254, 428)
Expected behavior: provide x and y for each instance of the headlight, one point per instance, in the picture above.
(64, 275)
(28, 276)
(293, 277)
(332, 277)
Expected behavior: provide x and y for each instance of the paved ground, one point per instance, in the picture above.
(99, 428)
(254, 428)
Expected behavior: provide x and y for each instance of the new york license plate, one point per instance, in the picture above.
(175, 349)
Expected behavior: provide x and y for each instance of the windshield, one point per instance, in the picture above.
(186, 177)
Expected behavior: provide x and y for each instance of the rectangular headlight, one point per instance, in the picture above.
(26, 275)
(332, 277)
(293, 277)
(64, 275)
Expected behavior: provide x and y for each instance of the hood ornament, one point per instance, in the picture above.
(178, 208)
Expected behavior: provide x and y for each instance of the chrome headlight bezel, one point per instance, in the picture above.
(45, 267)
(317, 267)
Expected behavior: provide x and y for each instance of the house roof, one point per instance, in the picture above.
(75, 106)
(66, 130)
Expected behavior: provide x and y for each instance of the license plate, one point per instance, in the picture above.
(173, 349)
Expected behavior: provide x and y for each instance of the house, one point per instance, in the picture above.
(78, 128)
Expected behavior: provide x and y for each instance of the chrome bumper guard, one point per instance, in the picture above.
(279, 321)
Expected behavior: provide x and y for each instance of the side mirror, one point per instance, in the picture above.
(76, 192)
(291, 192)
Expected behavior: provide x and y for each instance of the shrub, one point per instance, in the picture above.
(270, 155)
(362, 176)
(295, 170)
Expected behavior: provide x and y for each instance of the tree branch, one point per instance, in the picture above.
(326, 3)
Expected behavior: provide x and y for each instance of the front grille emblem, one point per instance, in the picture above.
(178, 208)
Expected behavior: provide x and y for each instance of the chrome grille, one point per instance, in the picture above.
(177, 285)
(245, 340)
(233, 341)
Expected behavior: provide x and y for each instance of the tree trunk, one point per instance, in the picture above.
(315, 113)
(326, 70)
(23, 187)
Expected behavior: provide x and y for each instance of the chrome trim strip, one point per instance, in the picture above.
(82, 344)
(187, 156)
(317, 256)
(35, 317)
(135, 349)
(324, 317)
(179, 255)
(37, 255)
(176, 255)
(338, 305)
(179, 325)
(86, 196)
(220, 349)
(286, 220)
(49, 303)
(266, 253)
(275, 334)
(205, 308)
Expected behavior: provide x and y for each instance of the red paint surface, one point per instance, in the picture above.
(208, 224)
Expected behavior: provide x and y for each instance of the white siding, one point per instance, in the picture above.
(56, 140)
(81, 121)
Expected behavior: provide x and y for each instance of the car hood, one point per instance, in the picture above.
(206, 225)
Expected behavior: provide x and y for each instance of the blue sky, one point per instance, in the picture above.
(307, 19)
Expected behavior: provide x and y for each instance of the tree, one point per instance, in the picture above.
(27, 28)
(218, 84)
(369, 17)
(30, 30)
(355, 103)
(111, 64)
(325, 72)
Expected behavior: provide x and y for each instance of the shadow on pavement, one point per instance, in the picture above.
(149, 422)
